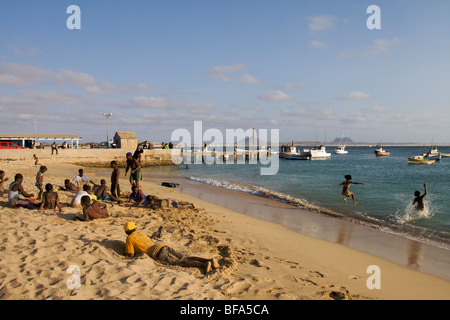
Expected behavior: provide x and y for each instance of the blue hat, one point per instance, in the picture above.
(129, 154)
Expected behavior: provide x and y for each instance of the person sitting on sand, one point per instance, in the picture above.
(2, 182)
(345, 190)
(40, 181)
(137, 195)
(15, 190)
(80, 179)
(139, 243)
(77, 199)
(418, 200)
(96, 210)
(101, 192)
(50, 199)
(69, 186)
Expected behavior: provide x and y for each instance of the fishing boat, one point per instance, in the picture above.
(420, 160)
(318, 152)
(341, 148)
(297, 156)
(380, 152)
(286, 151)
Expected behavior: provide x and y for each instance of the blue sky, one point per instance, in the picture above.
(311, 69)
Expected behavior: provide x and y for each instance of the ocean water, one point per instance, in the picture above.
(384, 201)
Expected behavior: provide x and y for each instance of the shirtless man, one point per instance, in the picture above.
(2, 181)
(50, 199)
(135, 173)
(418, 200)
(96, 210)
(345, 189)
(15, 190)
(69, 186)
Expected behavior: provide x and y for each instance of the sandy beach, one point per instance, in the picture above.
(259, 260)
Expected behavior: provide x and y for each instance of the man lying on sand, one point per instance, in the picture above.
(15, 190)
(139, 243)
(96, 210)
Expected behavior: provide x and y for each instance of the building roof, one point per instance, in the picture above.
(126, 135)
(39, 136)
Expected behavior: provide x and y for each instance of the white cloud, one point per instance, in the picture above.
(220, 73)
(381, 47)
(249, 79)
(150, 102)
(317, 44)
(357, 95)
(322, 23)
(274, 96)
(48, 97)
(75, 78)
(20, 75)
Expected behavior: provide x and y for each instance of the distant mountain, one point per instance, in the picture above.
(345, 139)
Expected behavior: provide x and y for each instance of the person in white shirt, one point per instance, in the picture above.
(76, 201)
(80, 179)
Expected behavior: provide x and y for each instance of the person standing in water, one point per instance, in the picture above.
(418, 200)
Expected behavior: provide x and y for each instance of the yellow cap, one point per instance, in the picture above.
(129, 226)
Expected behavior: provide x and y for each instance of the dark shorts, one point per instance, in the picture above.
(169, 256)
(115, 189)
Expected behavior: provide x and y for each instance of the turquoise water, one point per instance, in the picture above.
(384, 201)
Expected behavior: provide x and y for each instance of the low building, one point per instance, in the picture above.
(29, 139)
(125, 140)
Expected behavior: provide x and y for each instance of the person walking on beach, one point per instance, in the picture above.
(36, 160)
(345, 189)
(139, 243)
(40, 181)
(135, 173)
(418, 200)
(54, 148)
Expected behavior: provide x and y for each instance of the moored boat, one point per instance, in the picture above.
(380, 152)
(420, 160)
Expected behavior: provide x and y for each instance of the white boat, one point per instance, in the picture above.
(318, 152)
(341, 148)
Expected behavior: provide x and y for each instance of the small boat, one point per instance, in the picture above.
(420, 160)
(286, 151)
(445, 155)
(341, 148)
(297, 156)
(380, 152)
(318, 152)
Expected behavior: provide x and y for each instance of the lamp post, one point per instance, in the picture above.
(107, 128)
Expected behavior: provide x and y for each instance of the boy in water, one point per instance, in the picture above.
(50, 199)
(418, 200)
(345, 189)
(40, 181)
